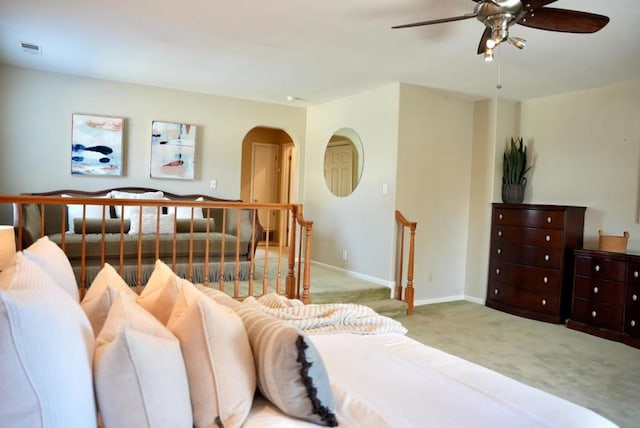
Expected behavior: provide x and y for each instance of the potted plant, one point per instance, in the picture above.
(514, 169)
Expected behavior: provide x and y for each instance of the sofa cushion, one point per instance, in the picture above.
(291, 373)
(54, 261)
(217, 356)
(97, 301)
(74, 211)
(46, 349)
(185, 212)
(94, 225)
(239, 223)
(140, 378)
(183, 225)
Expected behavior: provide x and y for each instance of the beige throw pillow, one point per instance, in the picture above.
(97, 301)
(140, 378)
(46, 347)
(161, 292)
(54, 261)
(218, 359)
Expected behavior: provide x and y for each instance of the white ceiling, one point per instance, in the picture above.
(316, 50)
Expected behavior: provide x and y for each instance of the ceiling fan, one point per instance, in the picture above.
(499, 15)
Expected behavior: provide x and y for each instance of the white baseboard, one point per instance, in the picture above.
(449, 299)
(368, 278)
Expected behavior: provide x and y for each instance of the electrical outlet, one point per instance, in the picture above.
(214, 184)
(344, 255)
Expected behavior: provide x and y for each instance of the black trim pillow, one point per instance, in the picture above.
(291, 373)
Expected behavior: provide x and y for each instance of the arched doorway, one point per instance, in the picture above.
(268, 162)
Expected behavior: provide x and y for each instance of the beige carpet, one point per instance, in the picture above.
(593, 372)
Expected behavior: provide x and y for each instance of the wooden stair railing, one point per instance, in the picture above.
(404, 224)
(289, 249)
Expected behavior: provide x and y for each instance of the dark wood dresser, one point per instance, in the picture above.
(606, 295)
(531, 259)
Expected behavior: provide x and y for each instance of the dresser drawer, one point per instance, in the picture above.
(526, 254)
(601, 268)
(525, 276)
(529, 218)
(632, 323)
(633, 275)
(528, 236)
(632, 316)
(611, 292)
(597, 314)
(546, 302)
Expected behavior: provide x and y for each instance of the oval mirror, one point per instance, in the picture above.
(343, 162)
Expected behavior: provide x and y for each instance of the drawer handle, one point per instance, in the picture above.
(546, 257)
(498, 271)
(500, 216)
(635, 273)
(499, 251)
(499, 233)
(545, 280)
(633, 323)
(634, 297)
(597, 268)
(593, 314)
(595, 290)
(549, 219)
(547, 238)
(496, 291)
(544, 302)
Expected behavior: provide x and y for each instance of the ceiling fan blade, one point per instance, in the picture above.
(563, 20)
(483, 40)
(536, 4)
(437, 21)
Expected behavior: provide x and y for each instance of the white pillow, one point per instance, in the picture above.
(185, 212)
(92, 211)
(217, 355)
(54, 261)
(46, 347)
(97, 301)
(140, 378)
(161, 292)
(128, 210)
(150, 222)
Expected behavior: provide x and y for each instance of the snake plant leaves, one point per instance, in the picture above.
(514, 163)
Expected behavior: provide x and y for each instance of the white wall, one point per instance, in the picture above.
(35, 131)
(363, 222)
(587, 153)
(439, 153)
(434, 179)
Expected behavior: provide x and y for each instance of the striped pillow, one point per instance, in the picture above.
(291, 373)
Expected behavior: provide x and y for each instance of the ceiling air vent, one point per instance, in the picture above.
(31, 48)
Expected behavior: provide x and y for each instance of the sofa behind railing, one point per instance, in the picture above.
(215, 242)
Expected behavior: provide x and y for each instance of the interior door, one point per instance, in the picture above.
(338, 169)
(264, 186)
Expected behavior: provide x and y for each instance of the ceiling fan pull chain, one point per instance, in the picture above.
(499, 84)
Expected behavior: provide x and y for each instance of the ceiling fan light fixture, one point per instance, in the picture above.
(517, 42)
(488, 55)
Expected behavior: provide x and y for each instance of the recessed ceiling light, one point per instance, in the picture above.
(31, 48)
(291, 98)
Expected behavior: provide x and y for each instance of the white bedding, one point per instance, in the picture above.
(390, 380)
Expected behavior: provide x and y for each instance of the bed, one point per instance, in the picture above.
(180, 354)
